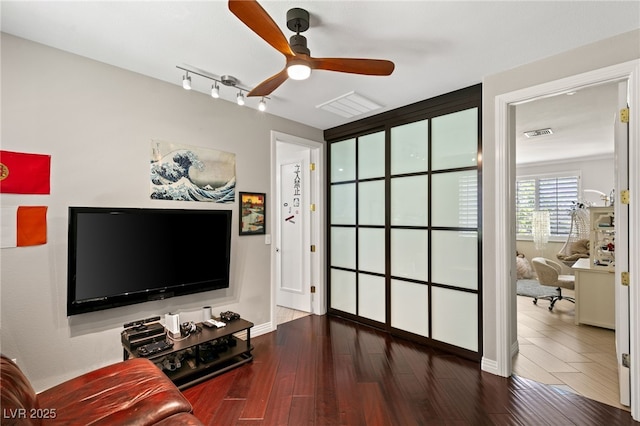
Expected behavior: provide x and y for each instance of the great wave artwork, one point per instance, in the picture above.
(187, 173)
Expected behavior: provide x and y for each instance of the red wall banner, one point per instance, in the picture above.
(22, 173)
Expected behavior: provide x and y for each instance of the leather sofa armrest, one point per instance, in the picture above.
(132, 392)
(17, 397)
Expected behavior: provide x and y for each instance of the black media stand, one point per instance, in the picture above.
(205, 353)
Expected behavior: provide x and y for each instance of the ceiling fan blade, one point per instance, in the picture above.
(256, 18)
(354, 66)
(269, 85)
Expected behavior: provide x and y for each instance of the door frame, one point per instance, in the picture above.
(505, 239)
(317, 150)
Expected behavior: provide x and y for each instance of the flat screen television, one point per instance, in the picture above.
(122, 256)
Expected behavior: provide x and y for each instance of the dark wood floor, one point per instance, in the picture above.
(321, 370)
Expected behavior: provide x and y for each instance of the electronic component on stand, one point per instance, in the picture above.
(229, 316)
(154, 348)
(142, 332)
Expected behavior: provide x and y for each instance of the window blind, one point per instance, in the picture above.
(468, 201)
(555, 194)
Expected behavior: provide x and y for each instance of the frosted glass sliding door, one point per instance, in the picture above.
(357, 229)
(404, 228)
(454, 281)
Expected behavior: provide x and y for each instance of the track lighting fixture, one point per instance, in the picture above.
(186, 81)
(225, 80)
(240, 98)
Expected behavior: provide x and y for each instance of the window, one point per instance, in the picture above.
(468, 201)
(557, 194)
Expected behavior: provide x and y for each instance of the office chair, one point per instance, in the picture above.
(548, 272)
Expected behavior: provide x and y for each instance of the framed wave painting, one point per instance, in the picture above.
(188, 173)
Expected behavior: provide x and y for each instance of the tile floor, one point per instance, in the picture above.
(555, 351)
(285, 314)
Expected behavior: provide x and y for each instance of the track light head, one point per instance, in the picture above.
(240, 98)
(215, 90)
(262, 106)
(186, 82)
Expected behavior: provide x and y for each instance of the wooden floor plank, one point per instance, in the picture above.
(407, 400)
(347, 391)
(228, 413)
(302, 411)
(326, 405)
(305, 374)
(374, 405)
(379, 380)
(279, 405)
(208, 396)
(260, 389)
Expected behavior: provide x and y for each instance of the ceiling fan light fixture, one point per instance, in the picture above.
(299, 61)
(298, 69)
(186, 82)
(215, 90)
(240, 98)
(262, 106)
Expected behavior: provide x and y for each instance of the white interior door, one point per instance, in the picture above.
(293, 233)
(622, 247)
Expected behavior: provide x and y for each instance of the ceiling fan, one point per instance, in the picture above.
(299, 61)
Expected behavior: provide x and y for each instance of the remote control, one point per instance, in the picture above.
(213, 323)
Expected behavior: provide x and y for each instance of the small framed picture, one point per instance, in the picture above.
(253, 213)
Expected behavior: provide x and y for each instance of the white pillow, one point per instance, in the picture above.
(524, 268)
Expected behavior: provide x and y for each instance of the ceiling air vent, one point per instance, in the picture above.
(539, 132)
(349, 105)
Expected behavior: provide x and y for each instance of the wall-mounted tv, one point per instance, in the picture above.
(122, 256)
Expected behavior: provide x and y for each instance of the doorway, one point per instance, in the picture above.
(297, 279)
(566, 159)
(505, 299)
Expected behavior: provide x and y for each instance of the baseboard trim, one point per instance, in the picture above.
(515, 348)
(490, 366)
(257, 330)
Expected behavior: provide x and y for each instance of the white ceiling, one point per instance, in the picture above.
(437, 46)
(582, 124)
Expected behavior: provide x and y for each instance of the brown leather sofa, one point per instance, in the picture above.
(132, 392)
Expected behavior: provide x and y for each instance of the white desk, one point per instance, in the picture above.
(595, 295)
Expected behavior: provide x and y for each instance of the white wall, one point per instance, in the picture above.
(97, 122)
(612, 51)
